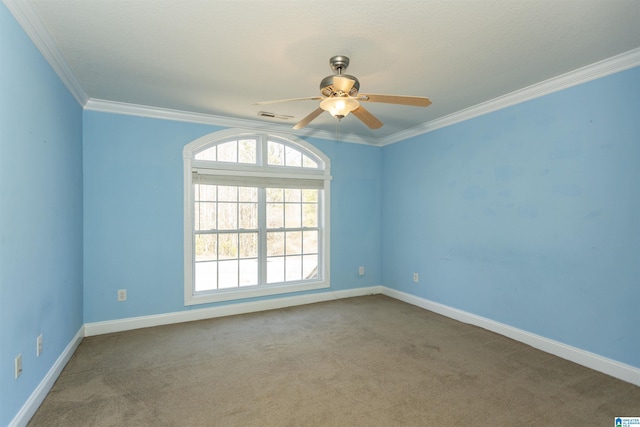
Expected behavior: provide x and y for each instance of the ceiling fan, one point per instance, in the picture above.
(341, 97)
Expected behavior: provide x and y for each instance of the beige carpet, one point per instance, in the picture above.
(368, 361)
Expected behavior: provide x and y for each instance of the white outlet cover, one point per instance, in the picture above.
(39, 345)
(18, 365)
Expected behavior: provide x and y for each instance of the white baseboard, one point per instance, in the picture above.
(33, 402)
(596, 362)
(106, 327)
(607, 366)
(599, 363)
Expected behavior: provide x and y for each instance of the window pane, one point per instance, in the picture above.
(309, 196)
(205, 216)
(293, 242)
(308, 163)
(293, 268)
(208, 154)
(248, 245)
(248, 272)
(249, 215)
(310, 242)
(275, 153)
(227, 246)
(206, 276)
(247, 151)
(227, 216)
(309, 215)
(292, 195)
(227, 194)
(292, 157)
(228, 152)
(292, 215)
(203, 192)
(275, 215)
(206, 248)
(248, 194)
(275, 270)
(310, 267)
(228, 274)
(275, 195)
(275, 244)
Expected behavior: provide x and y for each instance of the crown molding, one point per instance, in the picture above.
(33, 27)
(115, 107)
(585, 74)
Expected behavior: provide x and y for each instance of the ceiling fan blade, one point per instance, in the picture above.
(367, 118)
(342, 84)
(415, 101)
(311, 98)
(302, 123)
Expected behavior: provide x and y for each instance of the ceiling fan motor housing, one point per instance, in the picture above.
(338, 64)
(328, 89)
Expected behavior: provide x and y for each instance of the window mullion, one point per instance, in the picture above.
(217, 225)
(194, 234)
(237, 228)
(262, 235)
(261, 150)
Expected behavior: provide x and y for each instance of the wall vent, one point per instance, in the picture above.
(274, 115)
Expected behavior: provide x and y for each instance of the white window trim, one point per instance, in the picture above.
(283, 172)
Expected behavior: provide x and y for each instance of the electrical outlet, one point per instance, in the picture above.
(361, 271)
(122, 295)
(39, 345)
(415, 277)
(18, 365)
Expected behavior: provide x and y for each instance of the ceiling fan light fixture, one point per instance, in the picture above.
(340, 96)
(339, 106)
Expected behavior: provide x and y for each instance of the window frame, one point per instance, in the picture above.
(240, 171)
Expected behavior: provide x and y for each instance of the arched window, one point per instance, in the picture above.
(256, 216)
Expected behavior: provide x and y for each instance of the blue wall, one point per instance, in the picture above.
(40, 215)
(527, 216)
(133, 214)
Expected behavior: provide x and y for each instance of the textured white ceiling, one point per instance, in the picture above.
(219, 57)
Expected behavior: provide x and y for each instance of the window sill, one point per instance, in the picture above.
(251, 292)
